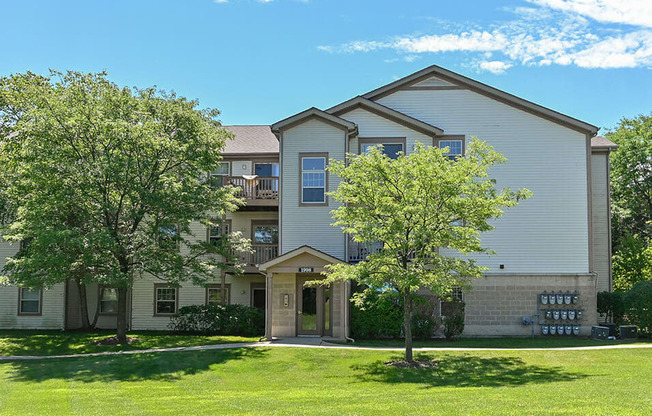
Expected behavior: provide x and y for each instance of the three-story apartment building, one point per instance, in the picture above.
(557, 241)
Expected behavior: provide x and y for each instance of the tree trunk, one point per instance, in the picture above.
(83, 303)
(122, 316)
(407, 325)
(97, 307)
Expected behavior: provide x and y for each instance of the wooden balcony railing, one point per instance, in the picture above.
(258, 188)
(261, 254)
(359, 251)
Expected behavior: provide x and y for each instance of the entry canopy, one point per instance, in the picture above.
(304, 259)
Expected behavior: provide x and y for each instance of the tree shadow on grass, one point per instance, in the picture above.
(165, 366)
(466, 371)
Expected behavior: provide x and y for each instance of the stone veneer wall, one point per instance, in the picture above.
(284, 318)
(497, 303)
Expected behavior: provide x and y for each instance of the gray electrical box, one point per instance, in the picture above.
(599, 332)
(628, 331)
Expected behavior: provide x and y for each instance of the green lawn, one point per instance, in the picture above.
(58, 342)
(291, 381)
(537, 342)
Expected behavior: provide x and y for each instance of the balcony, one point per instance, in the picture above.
(256, 190)
(261, 254)
(359, 251)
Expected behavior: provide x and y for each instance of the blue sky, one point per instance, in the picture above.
(261, 61)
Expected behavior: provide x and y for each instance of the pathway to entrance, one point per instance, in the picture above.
(307, 342)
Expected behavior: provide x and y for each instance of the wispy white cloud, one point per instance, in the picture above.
(630, 12)
(583, 33)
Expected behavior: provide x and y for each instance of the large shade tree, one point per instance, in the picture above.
(428, 211)
(105, 184)
(631, 197)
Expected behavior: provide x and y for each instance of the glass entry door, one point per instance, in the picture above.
(314, 308)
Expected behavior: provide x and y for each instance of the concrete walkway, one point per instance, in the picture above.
(307, 343)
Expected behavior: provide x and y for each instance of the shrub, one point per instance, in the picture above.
(638, 304)
(612, 305)
(218, 319)
(380, 315)
(454, 321)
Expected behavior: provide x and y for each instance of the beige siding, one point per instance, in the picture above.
(372, 125)
(309, 225)
(53, 306)
(547, 233)
(601, 244)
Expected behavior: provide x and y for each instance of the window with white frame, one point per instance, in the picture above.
(108, 300)
(214, 294)
(165, 299)
(168, 236)
(29, 301)
(216, 232)
(454, 148)
(313, 179)
(449, 304)
(224, 169)
(389, 149)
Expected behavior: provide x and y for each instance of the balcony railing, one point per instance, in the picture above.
(360, 251)
(257, 188)
(261, 254)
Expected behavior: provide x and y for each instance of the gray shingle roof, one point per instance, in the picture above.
(251, 139)
(599, 142)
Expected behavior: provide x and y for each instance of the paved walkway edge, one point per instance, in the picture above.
(324, 345)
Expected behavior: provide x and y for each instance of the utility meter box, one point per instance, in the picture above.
(628, 331)
(599, 332)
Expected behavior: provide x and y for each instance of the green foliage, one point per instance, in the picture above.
(376, 315)
(96, 174)
(215, 319)
(454, 321)
(379, 315)
(631, 179)
(632, 263)
(612, 305)
(427, 210)
(638, 303)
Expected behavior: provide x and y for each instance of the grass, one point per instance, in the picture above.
(291, 381)
(537, 342)
(18, 342)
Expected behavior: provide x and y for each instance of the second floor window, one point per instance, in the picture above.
(265, 233)
(391, 150)
(216, 232)
(454, 148)
(313, 179)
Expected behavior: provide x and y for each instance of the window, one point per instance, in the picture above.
(455, 148)
(167, 236)
(267, 170)
(265, 233)
(215, 232)
(389, 147)
(214, 294)
(223, 169)
(313, 179)
(165, 300)
(29, 301)
(108, 300)
(451, 303)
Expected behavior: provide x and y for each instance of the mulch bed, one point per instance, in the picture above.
(413, 364)
(113, 341)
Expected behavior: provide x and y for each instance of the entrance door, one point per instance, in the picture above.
(314, 308)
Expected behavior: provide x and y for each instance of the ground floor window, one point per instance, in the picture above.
(165, 300)
(214, 294)
(29, 301)
(449, 304)
(108, 300)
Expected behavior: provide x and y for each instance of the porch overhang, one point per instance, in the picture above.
(304, 259)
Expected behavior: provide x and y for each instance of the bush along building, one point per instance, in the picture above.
(552, 251)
